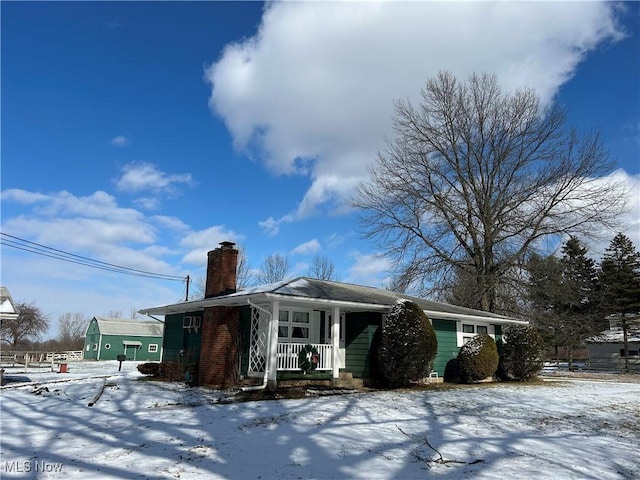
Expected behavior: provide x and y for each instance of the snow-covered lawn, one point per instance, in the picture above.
(147, 429)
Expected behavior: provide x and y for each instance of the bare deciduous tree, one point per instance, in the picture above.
(323, 268)
(71, 330)
(243, 270)
(274, 269)
(30, 324)
(243, 277)
(476, 178)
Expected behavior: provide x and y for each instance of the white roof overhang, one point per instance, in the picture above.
(315, 303)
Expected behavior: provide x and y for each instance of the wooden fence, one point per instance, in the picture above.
(13, 358)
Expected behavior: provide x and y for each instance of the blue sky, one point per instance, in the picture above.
(144, 133)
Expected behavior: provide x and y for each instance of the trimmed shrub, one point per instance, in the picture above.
(478, 359)
(522, 353)
(408, 345)
(149, 369)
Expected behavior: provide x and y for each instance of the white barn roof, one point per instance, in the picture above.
(138, 328)
(7, 307)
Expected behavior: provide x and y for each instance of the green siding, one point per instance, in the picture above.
(245, 339)
(138, 354)
(361, 328)
(91, 341)
(179, 342)
(498, 332)
(447, 344)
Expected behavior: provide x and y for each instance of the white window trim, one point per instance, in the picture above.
(310, 326)
(191, 321)
(462, 337)
(107, 346)
(155, 348)
(327, 329)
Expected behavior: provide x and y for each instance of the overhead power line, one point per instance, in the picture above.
(39, 249)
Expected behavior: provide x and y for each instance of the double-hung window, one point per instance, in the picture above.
(294, 326)
(467, 330)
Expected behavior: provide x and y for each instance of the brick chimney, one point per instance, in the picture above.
(219, 350)
(221, 270)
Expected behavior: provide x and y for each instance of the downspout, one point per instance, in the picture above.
(266, 372)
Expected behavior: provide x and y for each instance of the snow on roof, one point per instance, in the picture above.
(331, 292)
(7, 307)
(138, 328)
(615, 335)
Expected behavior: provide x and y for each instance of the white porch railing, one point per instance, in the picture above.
(288, 355)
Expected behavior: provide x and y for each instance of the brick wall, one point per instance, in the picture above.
(220, 350)
(221, 270)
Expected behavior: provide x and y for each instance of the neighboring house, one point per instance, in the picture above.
(140, 340)
(7, 307)
(606, 350)
(259, 332)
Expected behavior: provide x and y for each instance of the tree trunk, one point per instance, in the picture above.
(625, 344)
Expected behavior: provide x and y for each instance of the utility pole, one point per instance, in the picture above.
(186, 297)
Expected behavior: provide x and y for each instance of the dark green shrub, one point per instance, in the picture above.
(522, 353)
(408, 345)
(452, 371)
(149, 369)
(478, 359)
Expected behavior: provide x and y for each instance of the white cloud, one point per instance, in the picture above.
(630, 220)
(94, 226)
(200, 242)
(142, 176)
(271, 226)
(312, 93)
(22, 196)
(369, 269)
(306, 248)
(120, 141)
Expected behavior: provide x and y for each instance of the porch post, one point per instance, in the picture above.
(335, 344)
(272, 348)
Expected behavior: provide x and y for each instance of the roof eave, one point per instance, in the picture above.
(262, 297)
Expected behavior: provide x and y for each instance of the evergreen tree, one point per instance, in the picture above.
(545, 293)
(581, 303)
(620, 276)
(565, 297)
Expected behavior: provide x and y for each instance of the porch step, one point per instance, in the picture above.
(346, 380)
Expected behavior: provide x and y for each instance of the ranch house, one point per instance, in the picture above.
(259, 332)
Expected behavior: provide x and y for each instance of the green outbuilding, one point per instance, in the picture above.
(139, 340)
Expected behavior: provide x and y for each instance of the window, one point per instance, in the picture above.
(189, 322)
(468, 328)
(466, 331)
(88, 347)
(293, 325)
(107, 346)
(632, 352)
(95, 346)
(153, 348)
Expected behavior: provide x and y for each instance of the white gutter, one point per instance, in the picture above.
(230, 301)
(475, 318)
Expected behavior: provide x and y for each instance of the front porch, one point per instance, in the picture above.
(288, 355)
(279, 335)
